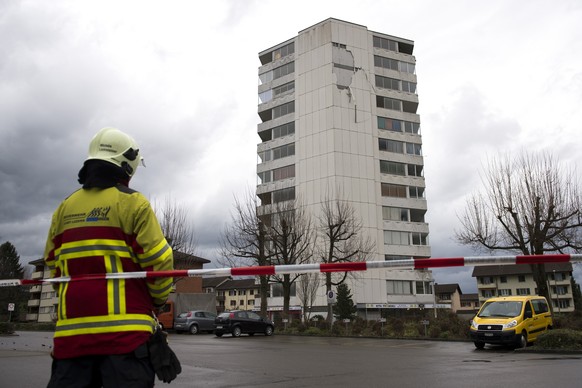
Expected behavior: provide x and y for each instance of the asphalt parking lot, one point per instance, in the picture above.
(290, 361)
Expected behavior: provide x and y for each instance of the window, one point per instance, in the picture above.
(233, 303)
(522, 291)
(410, 127)
(394, 214)
(394, 237)
(409, 87)
(419, 238)
(284, 151)
(558, 276)
(398, 287)
(277, 290)
(386, 63)
(284, 109)
(521, 278)
(560, 290)
(486, 280)
(417, 215)
(504, 292)
(278, 53)
(284, 51)
(389, 103)
(413, 149)
(423, 288)
(487, 293)
(385, 44)
(393, 64)
(391, 146)
(279, 90)
(394, 168)
(231, 292)
(389, 124)
(406, 67)
(503, 279)
(284, 172)
(445, 296)
(277, 72)
(390, 190)
(284, 195)
(265, 96)
(415, 170)
(416, 192)
(396, 257)
(540, 306)
(284, 130)
(562, 303)
(387, 83)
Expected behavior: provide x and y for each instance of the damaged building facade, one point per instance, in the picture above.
(337, 105)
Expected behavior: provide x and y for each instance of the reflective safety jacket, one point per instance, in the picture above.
(98, 231)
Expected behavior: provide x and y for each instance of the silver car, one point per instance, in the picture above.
(195, 321)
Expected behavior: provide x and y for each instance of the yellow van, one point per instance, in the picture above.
(511, 320)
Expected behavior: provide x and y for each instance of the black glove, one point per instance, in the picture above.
(163, 359)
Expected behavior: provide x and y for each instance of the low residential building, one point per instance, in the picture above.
(469, 303)
(239, 294)
(449, 294)
(210, 286)
(507, 280)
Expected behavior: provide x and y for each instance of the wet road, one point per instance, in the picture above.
(287, 361)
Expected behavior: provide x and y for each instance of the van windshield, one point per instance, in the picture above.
(500, 309)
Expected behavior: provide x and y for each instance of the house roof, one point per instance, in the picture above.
(447, 288)
(238, 283)
(187, 258)
(518, 269)
(214, 281)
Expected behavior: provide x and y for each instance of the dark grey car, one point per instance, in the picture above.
(242, 322)
(194, 322)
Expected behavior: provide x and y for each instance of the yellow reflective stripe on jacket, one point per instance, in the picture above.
(156, 255)
(99, 247)
(115, 287)
(104, 324)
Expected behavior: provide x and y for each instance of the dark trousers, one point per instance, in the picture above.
(132, 370)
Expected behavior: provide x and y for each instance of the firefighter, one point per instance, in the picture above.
(104, 227)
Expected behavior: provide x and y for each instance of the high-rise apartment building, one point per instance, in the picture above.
(338, 109)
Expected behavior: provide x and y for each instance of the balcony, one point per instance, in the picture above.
(34, 303)
(32, 317)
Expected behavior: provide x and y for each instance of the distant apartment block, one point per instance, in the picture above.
(43, 300)
(509, 280)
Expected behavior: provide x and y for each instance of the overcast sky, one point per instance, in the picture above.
(181, 77)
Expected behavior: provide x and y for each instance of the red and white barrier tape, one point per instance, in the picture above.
(471, 261)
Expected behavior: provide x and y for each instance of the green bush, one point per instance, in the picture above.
(6, 328)
(312, 331)
(560, 339)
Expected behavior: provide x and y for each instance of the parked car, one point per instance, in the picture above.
(512, 320)
(194, 322)
(242, 322)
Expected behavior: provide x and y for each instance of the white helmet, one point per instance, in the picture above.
(114, 146)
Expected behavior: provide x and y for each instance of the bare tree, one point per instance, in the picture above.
(176, 226)
(530, 204)
(290, 243)
(243, 242)
(341, 240)
(307, 292)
